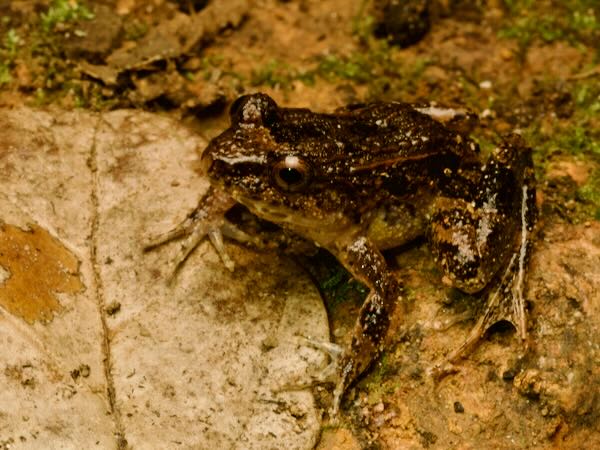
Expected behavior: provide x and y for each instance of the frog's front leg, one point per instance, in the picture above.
(366, 263)
(207, 220)
(483, 243)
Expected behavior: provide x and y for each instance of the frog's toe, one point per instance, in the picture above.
(336, 372)
(339, 371)
(163, 238)
(206, 220)
(193, 239)
(216, 239)
(441, 369)
(329, 374)
(333, 350)
(191, 232)
(505, 303)
(313, 371)
(445, 323)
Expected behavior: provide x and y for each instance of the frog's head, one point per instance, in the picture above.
(269, 160)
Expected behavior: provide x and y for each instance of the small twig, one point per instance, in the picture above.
(587, 74)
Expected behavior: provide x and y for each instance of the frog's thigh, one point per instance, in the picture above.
(396, 223)
(469, 244)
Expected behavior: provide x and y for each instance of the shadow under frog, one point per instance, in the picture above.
(367, 178)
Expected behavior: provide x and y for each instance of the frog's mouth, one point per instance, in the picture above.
(319, 229)
(272, 213)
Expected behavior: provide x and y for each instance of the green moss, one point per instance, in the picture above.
(578, 139)
(356, 67)
(8, 52)
(5, 76)
(589, 194)
(12, 41)
(278, 74)
(340, 285)
(359, 67)
(382, 381)
(40, 50)
(575, 138)
(375, 66)
(363, 23)
(62, 12)
(573, 21)
(579, 135)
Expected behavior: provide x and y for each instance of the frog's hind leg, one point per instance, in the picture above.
(362, 258)
(506, 301)
(484, 241)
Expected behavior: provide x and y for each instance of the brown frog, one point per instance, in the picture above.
(368, 178)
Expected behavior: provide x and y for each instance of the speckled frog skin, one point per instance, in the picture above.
(371, 177)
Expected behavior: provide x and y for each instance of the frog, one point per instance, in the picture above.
(366, 178)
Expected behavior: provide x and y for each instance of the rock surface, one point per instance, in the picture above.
(98, 351)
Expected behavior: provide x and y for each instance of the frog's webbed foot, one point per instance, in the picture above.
(341, 371)
(328, 374)
(207, 220)
(505, 302)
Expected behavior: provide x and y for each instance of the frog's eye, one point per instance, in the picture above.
(291, 173)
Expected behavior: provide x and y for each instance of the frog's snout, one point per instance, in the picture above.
(206, 162)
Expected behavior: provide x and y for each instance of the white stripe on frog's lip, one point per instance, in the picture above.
(241, 159)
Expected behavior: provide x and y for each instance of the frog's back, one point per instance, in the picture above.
(369, 136)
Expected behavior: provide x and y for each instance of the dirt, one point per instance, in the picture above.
(524, 69)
